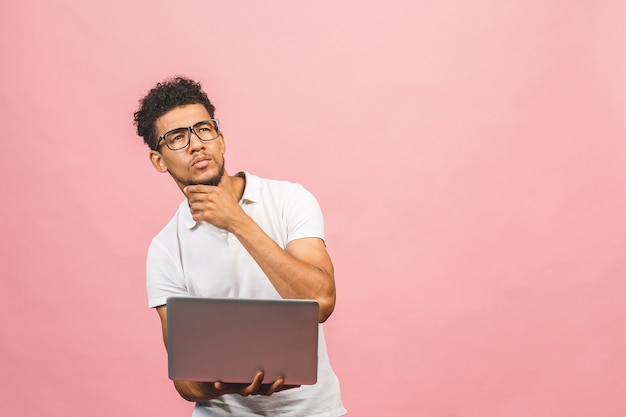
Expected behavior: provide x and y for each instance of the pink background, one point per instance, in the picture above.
(468, 156)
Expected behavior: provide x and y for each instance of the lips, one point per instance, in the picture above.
(200, 161)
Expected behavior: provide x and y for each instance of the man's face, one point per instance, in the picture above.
(200, 162)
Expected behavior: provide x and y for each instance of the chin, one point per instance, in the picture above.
(214, 180)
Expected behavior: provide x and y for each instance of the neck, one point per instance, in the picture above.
(235, 184)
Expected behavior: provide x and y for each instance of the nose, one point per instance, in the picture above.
(194, 141)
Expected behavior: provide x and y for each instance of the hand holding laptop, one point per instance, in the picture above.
(255, 388)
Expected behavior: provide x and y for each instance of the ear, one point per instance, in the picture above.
(222, 143)
(157, 161)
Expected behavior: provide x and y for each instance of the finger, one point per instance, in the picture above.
(197, 202)
(190, 189)
(255, 386)
(257, 383)
(195, 196)
(276, 386)
(198, 188)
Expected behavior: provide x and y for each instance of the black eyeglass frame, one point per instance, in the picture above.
(190, 129)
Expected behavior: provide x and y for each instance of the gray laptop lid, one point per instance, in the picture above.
(230, 339)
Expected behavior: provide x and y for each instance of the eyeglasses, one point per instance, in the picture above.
(206, 131)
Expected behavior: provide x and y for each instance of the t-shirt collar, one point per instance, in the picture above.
(252, 190)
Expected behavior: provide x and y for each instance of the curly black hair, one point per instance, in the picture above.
(165, 96)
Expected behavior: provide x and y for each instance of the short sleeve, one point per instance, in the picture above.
(163, 277)
(304, 215)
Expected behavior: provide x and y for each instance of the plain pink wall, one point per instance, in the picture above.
(469, 158)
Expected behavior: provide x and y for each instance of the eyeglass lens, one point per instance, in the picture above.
(206, 130)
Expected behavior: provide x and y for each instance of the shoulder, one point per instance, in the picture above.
(181, 220)
(258, 188)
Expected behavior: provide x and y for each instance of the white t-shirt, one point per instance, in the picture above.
(197, 258)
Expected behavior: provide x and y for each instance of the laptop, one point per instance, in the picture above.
(230, 339)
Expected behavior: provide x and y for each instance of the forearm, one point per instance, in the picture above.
(292, 277)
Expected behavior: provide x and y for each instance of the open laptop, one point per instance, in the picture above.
(230, 339)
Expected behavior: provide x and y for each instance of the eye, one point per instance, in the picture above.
(176, 136)
(204, 127)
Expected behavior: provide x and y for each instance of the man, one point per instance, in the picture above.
(233, 236)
